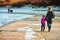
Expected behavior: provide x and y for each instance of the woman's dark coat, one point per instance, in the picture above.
(49, 17)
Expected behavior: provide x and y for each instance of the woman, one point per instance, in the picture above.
(49, 17)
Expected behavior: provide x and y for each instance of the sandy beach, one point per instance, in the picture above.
(33, 23)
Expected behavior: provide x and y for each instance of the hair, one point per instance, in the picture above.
(50, 9)
(43, 15)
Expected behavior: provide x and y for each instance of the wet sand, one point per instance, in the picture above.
(12, 35)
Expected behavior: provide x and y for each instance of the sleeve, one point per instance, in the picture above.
(46, 14)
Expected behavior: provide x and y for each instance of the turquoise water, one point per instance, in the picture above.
(7, 17)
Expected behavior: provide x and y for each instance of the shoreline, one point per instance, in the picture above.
(24, 19)
(36, 17)
(39, 35)
(34, 23)
(16, 20)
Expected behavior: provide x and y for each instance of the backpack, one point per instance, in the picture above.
(53, 15)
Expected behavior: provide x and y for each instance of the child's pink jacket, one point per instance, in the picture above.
(43, 20)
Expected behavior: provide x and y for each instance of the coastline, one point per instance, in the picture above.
(34, 23)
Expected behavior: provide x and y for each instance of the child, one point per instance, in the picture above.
(43, 23)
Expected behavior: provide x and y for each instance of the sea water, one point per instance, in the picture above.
(5, 18)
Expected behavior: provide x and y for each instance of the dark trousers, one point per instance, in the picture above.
(43, 27)
(49, 26)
